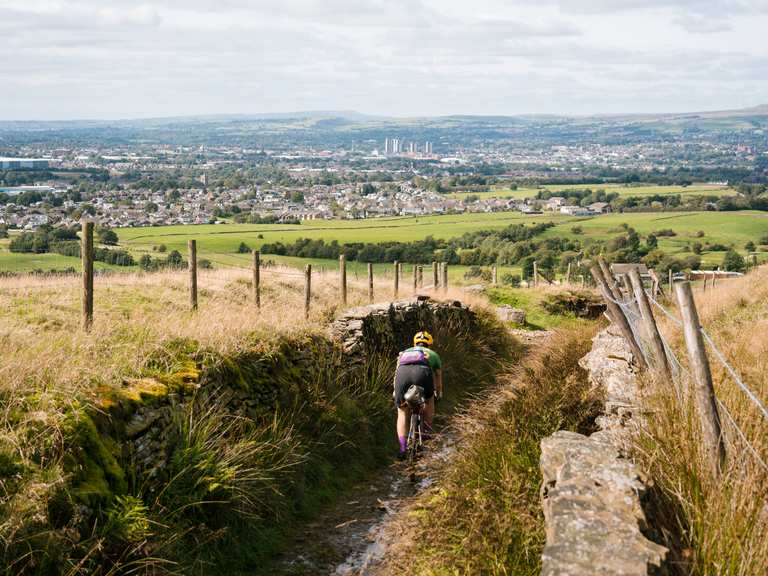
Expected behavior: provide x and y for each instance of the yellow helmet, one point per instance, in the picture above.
(422, 338)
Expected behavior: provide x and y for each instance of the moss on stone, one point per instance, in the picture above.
(94, 473)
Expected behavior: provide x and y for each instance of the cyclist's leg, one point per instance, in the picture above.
(429, 413)
(403, 421)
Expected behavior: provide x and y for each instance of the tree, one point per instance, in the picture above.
(151, 207)
(297, 197)
(107, 236)
(243, 248)
(734, 262)
(174, 259)
(3, 232)
(696, 248)
(749, 246)
(145, 262)
(652, 242)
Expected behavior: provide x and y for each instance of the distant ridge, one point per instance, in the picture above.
(352, 116)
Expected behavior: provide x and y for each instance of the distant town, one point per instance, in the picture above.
(255, 171)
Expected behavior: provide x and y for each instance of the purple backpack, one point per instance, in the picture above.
(410, 357)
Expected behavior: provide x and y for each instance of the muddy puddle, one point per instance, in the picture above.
(352, 538)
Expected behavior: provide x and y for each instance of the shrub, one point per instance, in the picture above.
(665, 232)
(511, 279)
(576, 303)
(734, 262)
(243, 248)
(107, 236)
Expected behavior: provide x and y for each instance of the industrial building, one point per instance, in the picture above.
(23, 163)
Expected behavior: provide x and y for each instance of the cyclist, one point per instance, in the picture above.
(420, 366)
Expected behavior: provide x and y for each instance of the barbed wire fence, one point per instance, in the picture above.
(721, 431)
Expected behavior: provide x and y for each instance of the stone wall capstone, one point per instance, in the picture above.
(592, 491)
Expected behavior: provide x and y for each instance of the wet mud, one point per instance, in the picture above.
(351, 538)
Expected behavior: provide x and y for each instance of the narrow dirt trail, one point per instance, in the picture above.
(352, 537)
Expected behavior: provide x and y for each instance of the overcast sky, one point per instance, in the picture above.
(65, 59)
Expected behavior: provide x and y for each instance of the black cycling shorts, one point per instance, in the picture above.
(413, 374)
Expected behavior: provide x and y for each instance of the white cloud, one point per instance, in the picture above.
(122, 58)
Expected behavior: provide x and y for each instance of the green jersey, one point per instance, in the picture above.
(433, 358)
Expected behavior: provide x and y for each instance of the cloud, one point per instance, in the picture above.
(121, 58)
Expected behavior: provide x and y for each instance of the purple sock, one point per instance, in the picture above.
(403, 443)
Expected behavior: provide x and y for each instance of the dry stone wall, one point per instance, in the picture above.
(143, 415)
(592, 490)
(387, 328)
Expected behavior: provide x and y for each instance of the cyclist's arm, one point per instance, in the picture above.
(439, 382)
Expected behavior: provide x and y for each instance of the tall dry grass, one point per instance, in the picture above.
(714, 525)
(42, 344)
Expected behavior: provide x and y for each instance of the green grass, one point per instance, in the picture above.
(729, 228)
(530, 300)
(622, 189)
(219, 243)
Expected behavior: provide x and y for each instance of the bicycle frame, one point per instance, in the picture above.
(415, 438)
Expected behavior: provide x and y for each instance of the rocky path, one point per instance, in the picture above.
(352, 537)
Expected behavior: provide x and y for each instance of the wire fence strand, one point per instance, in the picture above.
(681, 375)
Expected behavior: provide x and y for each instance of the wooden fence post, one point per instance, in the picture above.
(192, 246)
(494, 276)
(307, 288)
(613, 287)
(435, 279)
(704, 392)
(445, 276)
(535, 274)
(671, 282)
(343, 278)
(257, 278)
(415, 278)
(396, 288)
(656, 283)
(568, 274)
(617, 315)
(651, 329)
(421, 276)
(86, 255)
(370, 282)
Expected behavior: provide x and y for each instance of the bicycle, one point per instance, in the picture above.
(414, 397)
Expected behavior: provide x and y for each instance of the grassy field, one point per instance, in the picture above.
(622, 189)
(219, 243)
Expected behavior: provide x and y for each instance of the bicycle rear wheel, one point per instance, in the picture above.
(414, 438)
